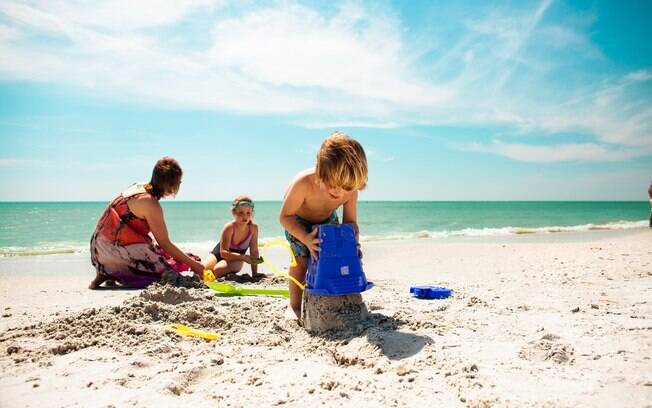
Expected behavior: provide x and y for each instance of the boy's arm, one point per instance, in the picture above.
(350, 216)
(291, 204)
(350, 212)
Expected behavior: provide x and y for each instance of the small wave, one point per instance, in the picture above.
(36, 251)
(504, 231)
(200, 246)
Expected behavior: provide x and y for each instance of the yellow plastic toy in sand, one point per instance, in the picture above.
(208, 276)
(283, 244)
(182, 330)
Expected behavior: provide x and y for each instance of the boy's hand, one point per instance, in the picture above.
(359, 250)
(312, 242)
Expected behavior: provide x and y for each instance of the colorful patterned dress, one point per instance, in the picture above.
(121, 248)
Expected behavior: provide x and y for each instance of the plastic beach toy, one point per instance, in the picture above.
(208, 275)
(430, 292)
(273, 268)
(185, 331)
(338, 270)
(230, 290)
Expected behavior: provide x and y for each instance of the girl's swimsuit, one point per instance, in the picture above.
(240, 248)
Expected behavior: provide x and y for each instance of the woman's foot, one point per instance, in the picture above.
(110, 283)
(99, 279)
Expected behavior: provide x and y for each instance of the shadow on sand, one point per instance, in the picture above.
(384, 332)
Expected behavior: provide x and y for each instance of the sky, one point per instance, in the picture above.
(464, 100)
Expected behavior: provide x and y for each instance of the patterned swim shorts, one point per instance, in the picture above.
(297, 246)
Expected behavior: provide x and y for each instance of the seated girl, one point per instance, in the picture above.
(238, 236)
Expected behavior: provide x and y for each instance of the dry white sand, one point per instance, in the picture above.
(551, 320)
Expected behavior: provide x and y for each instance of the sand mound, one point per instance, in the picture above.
(171, 295)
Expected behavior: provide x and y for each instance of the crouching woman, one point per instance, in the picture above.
(122, 249)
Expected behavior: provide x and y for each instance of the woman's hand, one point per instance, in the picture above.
(197, 268)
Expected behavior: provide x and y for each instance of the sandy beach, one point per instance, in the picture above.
(551, 320)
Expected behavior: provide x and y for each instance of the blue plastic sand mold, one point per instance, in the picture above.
(338, 270)
(430, 292)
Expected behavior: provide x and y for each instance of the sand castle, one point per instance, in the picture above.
(332, 299)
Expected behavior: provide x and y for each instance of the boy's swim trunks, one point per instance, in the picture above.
(297, 246)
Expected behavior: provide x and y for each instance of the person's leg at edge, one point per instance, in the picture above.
(296, 293)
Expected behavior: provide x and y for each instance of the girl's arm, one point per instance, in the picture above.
(225, 244)
(253, 251)
(153, 214)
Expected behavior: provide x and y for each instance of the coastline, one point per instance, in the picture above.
(557, 319)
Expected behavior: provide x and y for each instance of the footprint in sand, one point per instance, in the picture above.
(548, 348)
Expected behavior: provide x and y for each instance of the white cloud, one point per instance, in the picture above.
(287, 59)
(555, 153)
(640, 75)
(111, 15)
(375, 155)
(19, 162)
(348, 124)
(349, 53)
(350, 67)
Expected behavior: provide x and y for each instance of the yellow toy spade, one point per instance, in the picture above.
(185, 331)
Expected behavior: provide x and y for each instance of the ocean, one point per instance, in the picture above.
(40, 228)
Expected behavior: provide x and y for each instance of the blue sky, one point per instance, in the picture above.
(472, 100)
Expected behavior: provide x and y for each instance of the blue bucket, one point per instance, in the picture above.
(338, 271)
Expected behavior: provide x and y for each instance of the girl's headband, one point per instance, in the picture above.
(243, 203)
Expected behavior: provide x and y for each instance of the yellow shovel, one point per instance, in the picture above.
(185, 331)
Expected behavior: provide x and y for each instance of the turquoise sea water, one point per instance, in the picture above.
(56, 227)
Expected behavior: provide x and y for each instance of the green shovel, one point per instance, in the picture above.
(230, 290)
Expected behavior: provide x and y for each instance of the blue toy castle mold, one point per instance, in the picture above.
(338, 271)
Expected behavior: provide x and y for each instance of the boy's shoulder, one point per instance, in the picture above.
(304, 178)
(302, 183)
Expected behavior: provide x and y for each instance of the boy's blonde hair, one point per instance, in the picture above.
(341, 162)
(242, 200)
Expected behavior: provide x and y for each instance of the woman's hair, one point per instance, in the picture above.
(242, 200)
(341, 162)
(166, 178)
